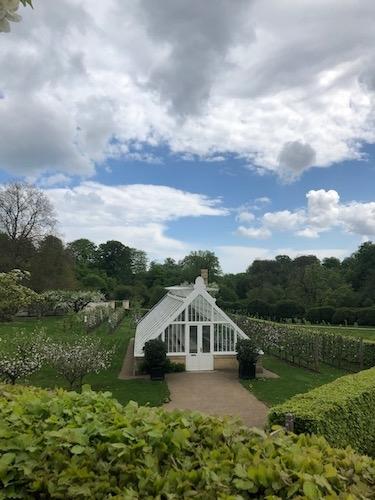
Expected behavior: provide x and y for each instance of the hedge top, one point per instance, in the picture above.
(342, 411)
(339, 392)
(68, 445)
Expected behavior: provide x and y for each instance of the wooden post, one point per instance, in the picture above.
(316, 354)
(339, 356)
(289, 422)
(361, 354)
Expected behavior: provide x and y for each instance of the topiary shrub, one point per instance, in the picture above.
(248, 353)
(366, 316)
(155, 358)
(288, 309)
(345, 316)
(86, 446)
(320, 314)
(259, 308)
(342, 411)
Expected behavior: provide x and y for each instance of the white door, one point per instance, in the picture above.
(199, 357)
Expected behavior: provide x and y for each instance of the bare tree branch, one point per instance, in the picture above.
(25, 212)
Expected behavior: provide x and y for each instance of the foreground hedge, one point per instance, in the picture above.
(342, 411)
(66, 445)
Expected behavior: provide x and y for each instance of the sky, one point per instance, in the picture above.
(245, 128)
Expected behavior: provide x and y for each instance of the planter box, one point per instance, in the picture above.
(247, 371)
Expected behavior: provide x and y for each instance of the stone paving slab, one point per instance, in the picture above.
(215, 393)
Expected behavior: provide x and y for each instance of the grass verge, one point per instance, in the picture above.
(293, 380)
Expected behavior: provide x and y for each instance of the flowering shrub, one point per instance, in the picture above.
(21, 355)
(87, 446)
(70, 301)
(8, 12)
(94, 316)
(14, 295)
(77, 358)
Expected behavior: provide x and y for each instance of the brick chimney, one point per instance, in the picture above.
(204, 275)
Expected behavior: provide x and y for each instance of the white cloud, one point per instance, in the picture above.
(262, 200)
(324, 212)
(136, 214)
(283, 220)
(359, 218)
(282, 85)
(245, 217)
(260, 233)
(54, 180)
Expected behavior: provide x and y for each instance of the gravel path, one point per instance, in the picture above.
(215, 393)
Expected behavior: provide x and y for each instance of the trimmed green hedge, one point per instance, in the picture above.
(342, 411)
(74, 446)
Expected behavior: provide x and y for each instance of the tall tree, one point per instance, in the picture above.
(25, 212)
(361, 271)
(201, 259)
(116, 260)
(52, 267)
(83, 251)
(138, 261)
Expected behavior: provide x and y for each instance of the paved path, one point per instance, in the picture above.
(216, 393)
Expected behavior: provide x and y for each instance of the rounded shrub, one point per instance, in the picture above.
(366, 316)
(259, 308)
(288, 309)
(344, 315)
(320, 314)
(87, 446)
(155, 355)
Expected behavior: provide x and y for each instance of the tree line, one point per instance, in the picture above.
(276, 288)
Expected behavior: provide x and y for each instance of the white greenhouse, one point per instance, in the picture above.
(197, 332)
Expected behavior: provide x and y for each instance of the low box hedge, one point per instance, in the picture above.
(342, 411)
(67, 445)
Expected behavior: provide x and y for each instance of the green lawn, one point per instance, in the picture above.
(142, 391)
(293, 380)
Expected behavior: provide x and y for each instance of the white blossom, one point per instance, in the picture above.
(79, 357)
(8, 12)
(22, 354)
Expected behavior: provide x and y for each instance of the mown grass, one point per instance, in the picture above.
(141, 391)
(293, 380)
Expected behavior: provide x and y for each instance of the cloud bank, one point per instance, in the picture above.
(282, 85)
(324, 212)
(137, 214)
